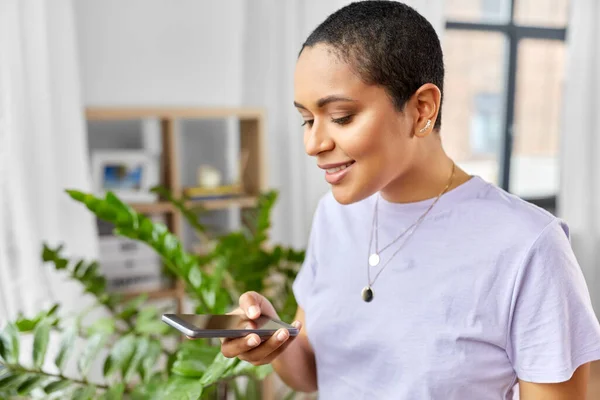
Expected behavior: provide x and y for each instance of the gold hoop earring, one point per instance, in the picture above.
(426, 126)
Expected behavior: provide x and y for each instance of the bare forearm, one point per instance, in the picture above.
(296, 366)
(573, 389)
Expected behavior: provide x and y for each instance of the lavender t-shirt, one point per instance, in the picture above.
(486, 291)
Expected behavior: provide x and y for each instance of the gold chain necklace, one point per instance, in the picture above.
(373, 260)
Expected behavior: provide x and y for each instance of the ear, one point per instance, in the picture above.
(427, 101)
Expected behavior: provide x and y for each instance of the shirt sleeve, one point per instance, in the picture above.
(553, 327)
(303, 283)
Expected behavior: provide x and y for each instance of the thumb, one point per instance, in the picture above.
(251, 302)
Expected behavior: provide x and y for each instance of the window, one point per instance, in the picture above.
(486, 124)
(504, 77)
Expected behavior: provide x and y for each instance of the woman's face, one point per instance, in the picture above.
(352, 129)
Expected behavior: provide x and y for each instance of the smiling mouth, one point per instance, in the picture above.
(334, 173)
(339, 168)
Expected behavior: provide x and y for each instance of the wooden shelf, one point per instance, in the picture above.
(222, 204)
(150, 208)
(216, 204)
(166, 293)
(121, 113)
(252, 177)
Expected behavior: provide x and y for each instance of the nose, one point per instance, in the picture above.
(317, 141)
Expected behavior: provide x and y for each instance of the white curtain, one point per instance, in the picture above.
(43, 150)
(579, 199)
(274, 32)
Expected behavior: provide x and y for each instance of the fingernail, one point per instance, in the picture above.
(281, 336)
(252, 341)
(253, 310)
(296, 324)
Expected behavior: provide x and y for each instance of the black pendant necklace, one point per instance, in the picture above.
(375, 259)
(367, 294)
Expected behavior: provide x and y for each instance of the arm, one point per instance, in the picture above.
(573, 389)
(296, 366)
(553, 332)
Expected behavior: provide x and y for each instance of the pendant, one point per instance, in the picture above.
(374, 260)
(367, 294)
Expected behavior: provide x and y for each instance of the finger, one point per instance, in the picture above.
(234, 347)
(267, 348)
(237, 311)
(269, 359)
(251, 302)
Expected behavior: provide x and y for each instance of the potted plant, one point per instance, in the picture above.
(141, 357)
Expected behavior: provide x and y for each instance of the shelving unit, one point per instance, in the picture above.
(251, 128)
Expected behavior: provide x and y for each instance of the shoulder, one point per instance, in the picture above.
(503, 213)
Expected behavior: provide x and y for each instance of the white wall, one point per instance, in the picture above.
(165, 53)
(160, 52)
(209, 52)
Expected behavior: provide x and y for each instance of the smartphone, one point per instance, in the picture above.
(225, 326)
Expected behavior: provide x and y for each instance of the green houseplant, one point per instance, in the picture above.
(141, 357)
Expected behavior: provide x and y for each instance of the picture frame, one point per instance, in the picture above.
(128, 174)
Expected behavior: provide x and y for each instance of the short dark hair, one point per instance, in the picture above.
(387, 43)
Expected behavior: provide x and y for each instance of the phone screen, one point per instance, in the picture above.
(228, 322)
(235, 325)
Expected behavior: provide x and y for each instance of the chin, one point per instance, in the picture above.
(346, 195)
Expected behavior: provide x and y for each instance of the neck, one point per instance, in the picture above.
(425, 180)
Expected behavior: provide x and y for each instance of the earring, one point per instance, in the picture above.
(426, 126)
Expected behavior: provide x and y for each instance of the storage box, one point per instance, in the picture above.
(116, 248)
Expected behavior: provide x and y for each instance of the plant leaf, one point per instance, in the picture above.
(195, 277)
(189, 368)
(106, 325)
(79, 268)
(148, 363)
(41, 337)
(252, 390)
(131, 307)
(113, 200)
(91, 350)
(180, 388)
(150, 389)
(141, 349)
(152, 328)
(57, 385)
(2, 351)
(190, 216)
(218, 368)
(115, 392)
(76, 194)
(10, 339)
(8, 379)
(66, 346)
(30, 384)
(120, 356)
(84, 393)
(245, 368)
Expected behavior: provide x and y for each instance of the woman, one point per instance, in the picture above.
(420, 281)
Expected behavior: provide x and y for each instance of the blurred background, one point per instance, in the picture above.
(195, 96)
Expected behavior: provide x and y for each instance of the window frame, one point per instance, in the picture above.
(514, 34)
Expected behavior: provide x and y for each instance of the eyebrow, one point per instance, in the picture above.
(326, 100)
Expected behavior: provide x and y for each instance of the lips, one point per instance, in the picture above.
(334, 173)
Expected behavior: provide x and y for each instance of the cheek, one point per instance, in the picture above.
(369, 143)
(361, 140)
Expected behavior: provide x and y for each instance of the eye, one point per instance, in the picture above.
(308, 122)
(343, 120)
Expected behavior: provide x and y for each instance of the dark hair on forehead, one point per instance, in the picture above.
(386, 43)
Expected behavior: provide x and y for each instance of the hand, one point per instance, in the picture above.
(250, 348)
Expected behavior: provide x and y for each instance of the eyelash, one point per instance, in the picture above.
(340, 121)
